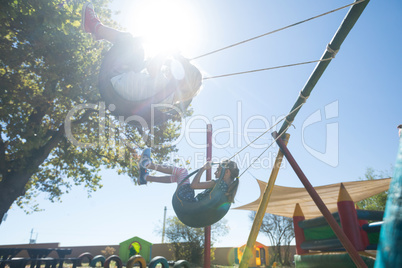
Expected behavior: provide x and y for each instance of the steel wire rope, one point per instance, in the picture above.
(252, 175)
(269, 68)
(279, 136)
(246, 170)
(265, 132)
(247, 135)
(278, 30)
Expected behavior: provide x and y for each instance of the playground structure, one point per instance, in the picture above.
(344, 240)
(223, 256)
(282, 139)
(352, 239)
(303, 96)
(135, 246)
(131, 252)
(316, 243)
(137, 251)
(136, 260)
(40, 256)
(347, 239)
(260, 255)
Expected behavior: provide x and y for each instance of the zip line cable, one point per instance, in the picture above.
(269, 68)
(278, 30)
(251, 174)
(279, 136)
(265, 132)
(281, 66)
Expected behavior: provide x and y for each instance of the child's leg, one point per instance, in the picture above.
(160, 179)
(161, 168)
(176, 174)
(107, 33)
(91, 24)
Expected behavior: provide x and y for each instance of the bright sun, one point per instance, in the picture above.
(165, 25)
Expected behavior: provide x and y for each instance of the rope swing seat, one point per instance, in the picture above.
(123, 57)
(208, 209)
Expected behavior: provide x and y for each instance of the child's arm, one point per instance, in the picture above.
(197, 184)
(154, 65)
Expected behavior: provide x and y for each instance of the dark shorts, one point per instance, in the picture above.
(186, 193)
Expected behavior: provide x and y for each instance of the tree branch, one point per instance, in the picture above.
(47, 148)
(2, 153)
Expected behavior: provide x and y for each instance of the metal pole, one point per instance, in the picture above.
(261, 209)
(207, 230)
(321, 206)
(164, 223)
(335, 44)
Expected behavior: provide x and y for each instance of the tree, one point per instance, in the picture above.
(378, 201)
(187, 243)
(108, 251)
(280, 232)
(54, 129)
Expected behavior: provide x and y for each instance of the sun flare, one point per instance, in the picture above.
(165, 25)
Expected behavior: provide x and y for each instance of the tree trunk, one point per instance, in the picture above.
(12, 185)
(11, 188)
(286, 257)
(279, 253)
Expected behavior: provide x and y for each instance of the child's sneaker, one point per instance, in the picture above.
(143, 176)
(90, 21)
(145, 158)
(144, 162)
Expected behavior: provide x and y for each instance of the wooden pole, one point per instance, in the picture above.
(262, 208)
(335, 44)
(321, 206)
(207, 230)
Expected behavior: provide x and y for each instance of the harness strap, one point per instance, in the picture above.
(188, 176)
(191, 174)
(183, 180)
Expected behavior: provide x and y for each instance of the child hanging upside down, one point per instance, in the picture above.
(185, 190)
(132, 83)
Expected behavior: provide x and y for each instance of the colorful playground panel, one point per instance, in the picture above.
(317, 243)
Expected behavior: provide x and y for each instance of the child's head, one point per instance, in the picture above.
(232, 167)
(190, 85)
(234, 174)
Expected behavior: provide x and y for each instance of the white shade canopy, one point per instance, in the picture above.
(283, 199)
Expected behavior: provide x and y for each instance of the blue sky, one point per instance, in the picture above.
(357, 99)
